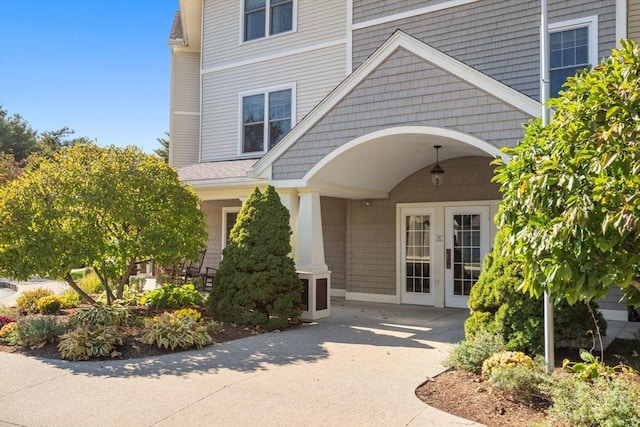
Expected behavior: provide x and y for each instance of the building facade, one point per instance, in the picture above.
(346, 106)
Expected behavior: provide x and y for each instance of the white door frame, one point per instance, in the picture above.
(437, 210)
(459, 301)
(412, 297)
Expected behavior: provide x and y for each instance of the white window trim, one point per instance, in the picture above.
(265, 91)
(591, 22)
(225, 211)
(294, 23)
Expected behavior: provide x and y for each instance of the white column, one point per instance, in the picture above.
(309, 256)
(289, 198)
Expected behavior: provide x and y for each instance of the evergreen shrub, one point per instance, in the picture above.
(498, 306)
(256, 283)
(36, 331)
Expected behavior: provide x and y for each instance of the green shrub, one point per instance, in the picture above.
(28, 301)
(70, 299)
(469, 354)
(522, 383)
(498, 306)
(604, 402)
(49, 305)
(256, 283)
(89, 341)
(8, 330)
(99, 314)
(170, 331)
(90, 283)
(171, 296)
(188, 312)
(36, 331)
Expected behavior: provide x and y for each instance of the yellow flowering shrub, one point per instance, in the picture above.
(505, 360)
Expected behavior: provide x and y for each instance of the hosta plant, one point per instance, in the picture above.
(90, 341)
(102, 315)
(170, 331)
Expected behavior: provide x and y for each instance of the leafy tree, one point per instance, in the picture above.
(163, 151)
(9, 168)
(571, 205)
(16, 136)
(256, 283)
(106, 208)
(498, 306)
(49, 142)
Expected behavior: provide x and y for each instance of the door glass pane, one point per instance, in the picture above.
(466, 253)
(417, 254)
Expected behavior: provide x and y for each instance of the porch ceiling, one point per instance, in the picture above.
(376, 165)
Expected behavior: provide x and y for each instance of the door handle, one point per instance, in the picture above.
(448, 259)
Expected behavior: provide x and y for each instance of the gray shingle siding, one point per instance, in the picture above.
(498, 38)
(404, 91)
(633, 20)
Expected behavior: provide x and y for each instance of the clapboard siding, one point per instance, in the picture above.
(221, 93)
(318, 22)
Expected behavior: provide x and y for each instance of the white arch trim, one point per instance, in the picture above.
(403, 130)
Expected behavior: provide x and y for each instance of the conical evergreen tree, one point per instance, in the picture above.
(257, 283)
(498, 306)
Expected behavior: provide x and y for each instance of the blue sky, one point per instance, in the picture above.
(100, 67)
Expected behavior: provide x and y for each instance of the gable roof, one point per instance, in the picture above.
(176, 35)
(398, 40)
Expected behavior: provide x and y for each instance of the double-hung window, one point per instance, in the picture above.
(266, 118)
(572, 47)
(263, 18)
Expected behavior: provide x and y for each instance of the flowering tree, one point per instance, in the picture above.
(106, 208)
(571, 206)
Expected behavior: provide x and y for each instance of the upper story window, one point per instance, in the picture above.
(573, 45)
(266, 118)
(263, 18)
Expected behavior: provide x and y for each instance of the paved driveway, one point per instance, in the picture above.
(358, 368)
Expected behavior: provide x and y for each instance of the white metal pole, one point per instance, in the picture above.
(549, 354)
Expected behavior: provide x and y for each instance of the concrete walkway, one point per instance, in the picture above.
(358, 368)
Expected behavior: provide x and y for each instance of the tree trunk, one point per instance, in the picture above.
(105, 285)
(125, 279)
(77, 288)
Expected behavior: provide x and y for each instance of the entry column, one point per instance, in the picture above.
(309, 257)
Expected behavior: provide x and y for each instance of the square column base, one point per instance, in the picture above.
(315, 295)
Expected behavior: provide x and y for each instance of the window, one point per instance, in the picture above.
(266, 116)
(229, 217)
(572, 47)
(267, 16)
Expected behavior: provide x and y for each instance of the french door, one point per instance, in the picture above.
(417, 240)
(467, 241)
